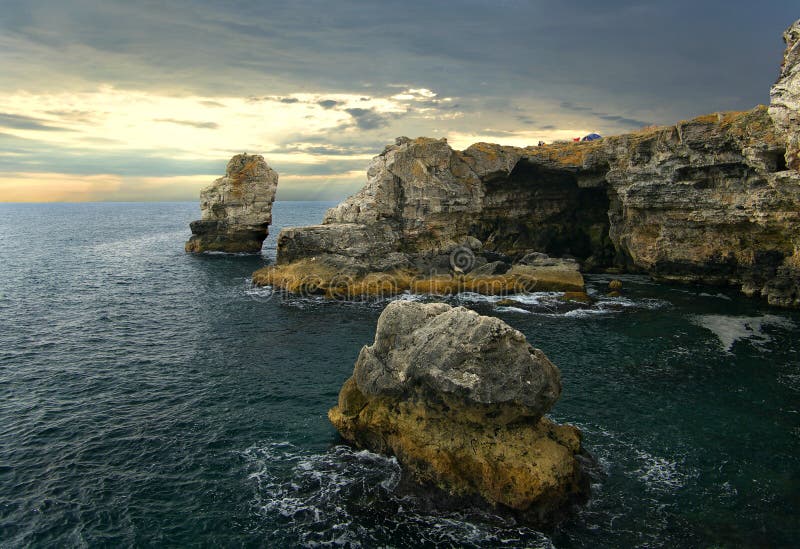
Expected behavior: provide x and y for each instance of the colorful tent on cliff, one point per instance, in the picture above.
(592, 137)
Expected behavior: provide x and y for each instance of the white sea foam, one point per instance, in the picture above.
(344, 497)
(258, 293)
(512, 310)
(730, 329)
(408, 296)
(585, 313)
(658, 473)
(550, 304)
(615, 451)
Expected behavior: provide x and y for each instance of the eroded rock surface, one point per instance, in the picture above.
(785, 96)
(713, 200)
(459, 398)
(236, 210)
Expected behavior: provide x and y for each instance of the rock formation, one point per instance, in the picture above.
(785, 97)
(459, 398)
(713, 200)
(236, 209)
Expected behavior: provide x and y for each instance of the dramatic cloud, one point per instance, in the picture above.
(621, 120)
(140, 90)
(22, 122)
(368, 119)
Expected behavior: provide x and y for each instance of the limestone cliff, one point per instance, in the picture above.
(713, 200)
(236, 209)
(785, 96)
(459, 398)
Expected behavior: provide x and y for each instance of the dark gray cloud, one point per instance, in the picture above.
(570, 106)
(527, 120)
(327, 103)
(192, 123)
(368, 119)
(21, 122)
(710, 55)
(615, 118)
(633, 122)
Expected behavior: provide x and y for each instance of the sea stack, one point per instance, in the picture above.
(459, 399)
(236, 209)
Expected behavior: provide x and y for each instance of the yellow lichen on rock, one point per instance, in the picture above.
(525, 465)
(311, 277)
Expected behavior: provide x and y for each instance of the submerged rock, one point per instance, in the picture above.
(459, 398)
(714, 200)
(236, 209)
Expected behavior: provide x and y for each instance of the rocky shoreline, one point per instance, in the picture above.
(714, 200)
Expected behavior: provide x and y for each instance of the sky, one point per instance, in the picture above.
(104, 100)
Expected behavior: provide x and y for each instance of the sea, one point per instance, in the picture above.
(152, 398)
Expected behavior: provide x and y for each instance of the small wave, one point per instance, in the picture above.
(234, 254)
(258, 293)
(790, 380)
(408, 296)
(585, 313)
(717, 295)
(132, 246)
(549, 304)
(615, 451)
(512, 310)
(730, 329)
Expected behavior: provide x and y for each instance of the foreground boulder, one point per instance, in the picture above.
(459, 398)
(236, 209)
(714, 200)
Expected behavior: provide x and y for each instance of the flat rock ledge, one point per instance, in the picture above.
(236, 210)
(459, 399)
(338, 277)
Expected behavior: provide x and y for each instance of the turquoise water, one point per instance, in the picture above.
(149, 397)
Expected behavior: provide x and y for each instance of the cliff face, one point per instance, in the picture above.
(714, 200)
(236, 209)
(785, 97)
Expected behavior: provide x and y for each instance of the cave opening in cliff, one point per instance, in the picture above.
(546, 210)
(779, 161)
